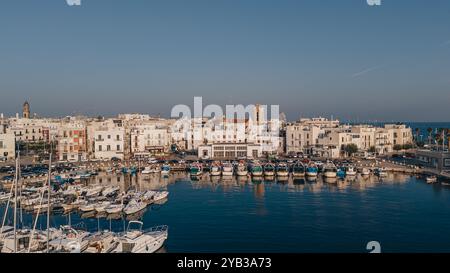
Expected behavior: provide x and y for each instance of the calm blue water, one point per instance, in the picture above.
(403, 213)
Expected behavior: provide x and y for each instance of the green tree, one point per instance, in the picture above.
(407, 146)
(350, 149)
(372, 149)
(398, 147)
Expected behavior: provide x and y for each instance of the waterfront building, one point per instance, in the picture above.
(303, 136)
(27, 130)
(149, 139)
(326, 138)
(71, 140)
(230, 151)
(7, 144)
(399, 133)
(109, 140)
(439, 160)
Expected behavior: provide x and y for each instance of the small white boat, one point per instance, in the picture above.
(256, 169)
(110, 191)
(147, 170)
(87, 207)
(73, 190)
(5, 196)
(69, 241)
(94, 191)
(299, 170)
(269, 169)
(135, 205)
(282, 170)
(114, 209)
(381, 172)
(312, 170)
(215, 169)
(431, 179)
(165, 169)
(78, 203)
(196, 169)
(160, 195)
(101, 207)
(139, 241)
(241, 169)
(101, 242)
(227, 169)
(330, 170)
(350, 170)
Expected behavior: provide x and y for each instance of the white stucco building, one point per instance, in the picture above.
(7, 144)
(109, 141)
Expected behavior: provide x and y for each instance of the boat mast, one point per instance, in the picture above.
(16, 182)
(48, 195)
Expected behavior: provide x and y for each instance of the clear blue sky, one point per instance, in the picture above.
(311, 57)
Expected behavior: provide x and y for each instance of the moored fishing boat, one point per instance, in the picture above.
(215, 169)
(196, 169)
(330, 170)
(227, 169)
(241, 169)
(282, 170)
(256, 169)
(269, 169)
(350, 170)
(431, 179)
(312, 170)
(299, 170)
(165, 169)
(381, 172)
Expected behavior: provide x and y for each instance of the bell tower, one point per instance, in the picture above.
(26, 110)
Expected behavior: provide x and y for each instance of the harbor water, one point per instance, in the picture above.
(401, 212)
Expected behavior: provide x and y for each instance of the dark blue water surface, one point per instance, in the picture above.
(403, 213)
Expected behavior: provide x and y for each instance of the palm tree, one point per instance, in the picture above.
(417, 130)
(430, 131)
(448, 137)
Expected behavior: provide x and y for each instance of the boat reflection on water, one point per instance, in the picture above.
(257, 179)
(330, 180)
(136, 216)
(299, 181)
